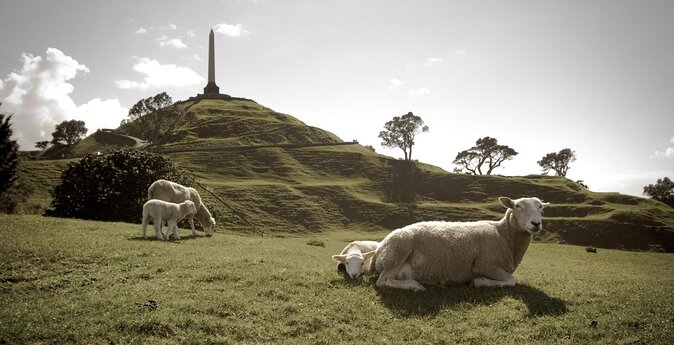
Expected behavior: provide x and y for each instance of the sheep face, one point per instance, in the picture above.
(527, 212)
(210, 226)
(191, 208)
(354, 262)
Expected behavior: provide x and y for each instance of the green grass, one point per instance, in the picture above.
(73, 281)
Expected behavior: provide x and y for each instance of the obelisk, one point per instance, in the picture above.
(211, 88)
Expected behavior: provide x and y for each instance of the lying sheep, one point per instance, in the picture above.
(356, 257)
(161, 211)
(174, 192)
(483, 253)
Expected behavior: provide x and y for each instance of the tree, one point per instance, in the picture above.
(42, 145)
(400, 132)
(486, 151)
(112, 186)
(154, 116)
(558, 161)
(662, 190)
(9, 157)
(69, 132)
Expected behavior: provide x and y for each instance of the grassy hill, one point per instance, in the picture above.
(73, 281)
(284, 176)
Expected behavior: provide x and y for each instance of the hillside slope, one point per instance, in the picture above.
(278, 174)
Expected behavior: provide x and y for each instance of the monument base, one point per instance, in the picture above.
(211, 89)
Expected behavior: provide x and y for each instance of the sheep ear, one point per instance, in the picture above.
(506, 202)
(339, 258)
(369, 255)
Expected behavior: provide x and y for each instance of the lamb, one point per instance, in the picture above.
(174, 192)
(356, 257)
(482, 253)
(169, 212)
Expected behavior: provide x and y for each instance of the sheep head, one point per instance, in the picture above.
(353, 262)
(190, 208)
(527, 213)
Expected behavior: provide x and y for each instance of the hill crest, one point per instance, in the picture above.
(283, 175)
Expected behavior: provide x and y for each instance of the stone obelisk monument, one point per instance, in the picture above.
(211, 88)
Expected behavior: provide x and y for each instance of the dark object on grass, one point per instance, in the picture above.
(593, 324)
(316, 243)
(341, 268)
(591, 249)
(150, 305)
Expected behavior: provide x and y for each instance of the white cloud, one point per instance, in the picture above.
(460, 52)
(170, 26)
(164, 41)
(38, 94)
(667, 153)
(418, 92)
(196, 57)
(231, 30)
(141, 31)
(160, 76)
(191, 33)
(394, 83)
(434, 60)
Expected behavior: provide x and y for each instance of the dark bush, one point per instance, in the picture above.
(112, 186)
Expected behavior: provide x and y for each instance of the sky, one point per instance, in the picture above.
(540, 76)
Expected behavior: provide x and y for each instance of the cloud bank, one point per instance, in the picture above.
(394, 83)
(418, 92)
(667, 153)
(158, 76)
(231, 30)
(165, 41)
(38, 96)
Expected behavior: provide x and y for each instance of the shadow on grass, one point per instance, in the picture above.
(152, 238)
(436, 299)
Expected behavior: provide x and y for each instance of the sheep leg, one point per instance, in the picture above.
(396, 283)
(143, 227)
(194, 232)
(157, 230)
(173, 226)
(494, 276)
(395, 272)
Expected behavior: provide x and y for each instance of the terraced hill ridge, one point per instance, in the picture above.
(280, 175)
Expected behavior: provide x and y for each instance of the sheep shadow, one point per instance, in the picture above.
(436, 299)
(152, 238)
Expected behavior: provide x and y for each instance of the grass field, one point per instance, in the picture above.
(72, 281)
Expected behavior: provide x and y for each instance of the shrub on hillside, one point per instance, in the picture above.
(112, 186)
(15, 199)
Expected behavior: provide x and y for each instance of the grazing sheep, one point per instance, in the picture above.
(483, 253)
(174, 192)
(356, 257)
(161, 211)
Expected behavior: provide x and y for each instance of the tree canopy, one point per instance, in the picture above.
(557, 161)
(42, 145)
(401, 131)
(487, 152)
(153, 116)
(9, 157)
(69, 132)
(662, 190)
(112, 186)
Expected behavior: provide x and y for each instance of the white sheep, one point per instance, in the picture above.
(483, 253)
(356, 257)
(161, 211)
(174, 192)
